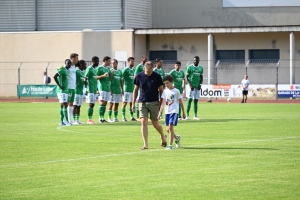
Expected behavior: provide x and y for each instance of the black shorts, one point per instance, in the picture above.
(245, 92)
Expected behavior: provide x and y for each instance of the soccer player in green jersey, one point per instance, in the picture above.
(62, 83)
(91, 88)
(128, 77)
(104, 76)
(179, 80)
(72, 84)
(158, 68)
(194, 77)
(80, 81)
(116, 91)
(139, 68)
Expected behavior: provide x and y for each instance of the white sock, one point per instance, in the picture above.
(70, 113)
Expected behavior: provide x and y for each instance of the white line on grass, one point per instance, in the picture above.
(135, 152)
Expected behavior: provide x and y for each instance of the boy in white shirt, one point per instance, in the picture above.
(172, 98)
(245, 85)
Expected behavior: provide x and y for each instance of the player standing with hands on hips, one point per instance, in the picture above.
(194, 76)
(245, 85)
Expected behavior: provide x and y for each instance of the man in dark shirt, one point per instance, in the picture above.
(150, 85)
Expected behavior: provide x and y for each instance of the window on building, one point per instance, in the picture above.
(164, 55)
(230, 55)
(270, 55)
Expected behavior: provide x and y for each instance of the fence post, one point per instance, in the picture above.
(246, 66)
(47, 68)
(19, 75)
(216, 70)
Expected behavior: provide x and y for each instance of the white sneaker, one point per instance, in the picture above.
(110, 120)
(196, 118)
(178, 141)
(169, 147)
(68, 124)
(79, 122)
(75, 123)
(116, 120)
(186, 118)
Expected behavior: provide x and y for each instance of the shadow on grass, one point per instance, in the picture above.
(228, 148)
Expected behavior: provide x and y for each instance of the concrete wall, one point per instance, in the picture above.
(204, 13)
(190, 45)
(37, 50)
(140, 48)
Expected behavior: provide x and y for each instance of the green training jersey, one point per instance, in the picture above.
(161, 72)
(116, 82)
(178, 78)
(128, 76)
(139, 68)
(104, 83)
(63, 79)
(90, 73)
(79, 81)
(194, 73)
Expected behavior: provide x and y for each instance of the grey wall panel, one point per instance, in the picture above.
(16, 15)
(56, 15)
(138, 14)
(204, 13)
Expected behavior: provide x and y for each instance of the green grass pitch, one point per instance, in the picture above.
(236, 151)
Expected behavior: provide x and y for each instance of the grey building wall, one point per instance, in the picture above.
(204, 13)
(17, 15)
(70, 15)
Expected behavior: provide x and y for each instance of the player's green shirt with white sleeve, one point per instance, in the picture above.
(139, 68)
(63, 79)
(79, 81)
(115, 82)
(178, 78)
(194, 73)
(104, 83)
(128, 77)
(161, 72)
(90, 73)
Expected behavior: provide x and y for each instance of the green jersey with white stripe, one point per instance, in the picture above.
(178, 78)
(104, 83)
(139, 68)
(161, 72)
(90, 73)
(128, 76)
(194, 73)
(79, 81)
(116, 81)
(63, 79)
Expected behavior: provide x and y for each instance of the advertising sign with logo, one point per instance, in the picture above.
(36, 90)
(289, 91)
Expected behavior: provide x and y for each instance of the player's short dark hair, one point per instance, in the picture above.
(81, 62)
(73, 55)
(169, 78)
(157, 60)
(197, 57)
(67, 60)
(95, 58)
(178, 62)
(115, 60)
(106, 58)
(129, 59)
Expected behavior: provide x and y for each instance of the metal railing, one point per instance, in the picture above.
(222, 72)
